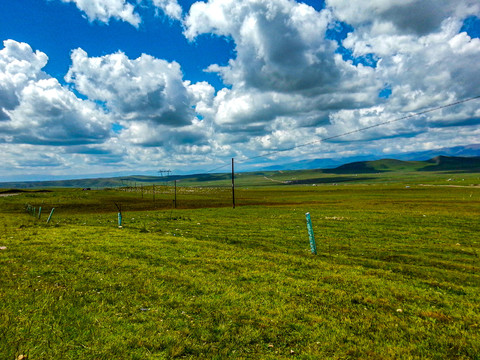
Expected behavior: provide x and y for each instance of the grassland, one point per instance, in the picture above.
(397, 275)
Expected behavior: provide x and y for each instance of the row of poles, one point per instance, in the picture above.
(33, 211)
(175, 188)
(119, 206)
(154, 191)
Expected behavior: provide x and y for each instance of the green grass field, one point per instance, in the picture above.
(396, 275)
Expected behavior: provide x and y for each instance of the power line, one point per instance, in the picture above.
(346, 133)
(217, 168)
(360, 130)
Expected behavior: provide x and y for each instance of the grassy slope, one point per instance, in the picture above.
(396, 276)
(366, 167)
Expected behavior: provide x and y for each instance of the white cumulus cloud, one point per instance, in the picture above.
(280, 44)
(37, 109)
(104, 10)
(143, 89)
(285, 68)
(18, 66)
(419, 17)
(171, 8)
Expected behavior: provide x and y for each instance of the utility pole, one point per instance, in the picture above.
(153, 191)
(175, 202)
(233, 184)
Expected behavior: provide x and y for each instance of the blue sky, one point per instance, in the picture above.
(130, 86)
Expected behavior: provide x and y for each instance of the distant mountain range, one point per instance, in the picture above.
(457, 151)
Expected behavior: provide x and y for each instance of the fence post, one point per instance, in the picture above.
(313, 246)
(50, 216)
(119, 207)
(39, 212)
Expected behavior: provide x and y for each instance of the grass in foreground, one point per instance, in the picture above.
(397, 277)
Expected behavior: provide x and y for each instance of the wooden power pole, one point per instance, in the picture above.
(233, 184)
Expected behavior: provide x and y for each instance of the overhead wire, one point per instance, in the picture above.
(217, 168)
(347, 133)
(360, 129)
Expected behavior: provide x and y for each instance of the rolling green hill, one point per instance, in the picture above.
(438, 163)
(446, 163)
(384, 165)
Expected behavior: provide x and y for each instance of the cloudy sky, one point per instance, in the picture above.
(131, 86)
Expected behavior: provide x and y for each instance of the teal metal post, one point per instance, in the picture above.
(313, 246)
(39, 212)
(50, 216)
(119, 219)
